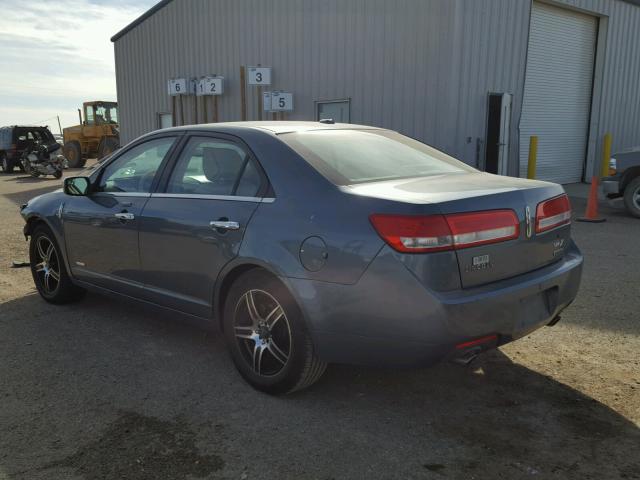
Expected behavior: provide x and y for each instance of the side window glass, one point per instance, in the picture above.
(89, 115)
(135, 169)
(208, 167)
(249, 182)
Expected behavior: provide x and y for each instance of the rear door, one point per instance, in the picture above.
(101, 229)
(195, 223)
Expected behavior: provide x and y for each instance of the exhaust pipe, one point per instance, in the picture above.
(467, 357)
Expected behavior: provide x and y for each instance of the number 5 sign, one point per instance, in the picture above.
(178, 86)
(281, 102)
(259, 76)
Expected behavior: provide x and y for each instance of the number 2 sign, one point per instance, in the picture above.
(210, 86)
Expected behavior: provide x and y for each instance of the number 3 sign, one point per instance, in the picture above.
(259, 76)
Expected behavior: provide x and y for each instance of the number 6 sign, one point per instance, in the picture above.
(178, 86)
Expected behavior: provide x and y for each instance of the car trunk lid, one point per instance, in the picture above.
(480, 192)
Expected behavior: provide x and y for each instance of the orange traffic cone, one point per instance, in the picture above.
(591, 215)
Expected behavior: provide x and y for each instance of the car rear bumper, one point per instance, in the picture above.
(610, 186)
(389, 318)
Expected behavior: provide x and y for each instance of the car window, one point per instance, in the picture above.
(214, 167)
(355, 156)
(135, 169)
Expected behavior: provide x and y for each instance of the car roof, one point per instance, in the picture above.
(274, 127)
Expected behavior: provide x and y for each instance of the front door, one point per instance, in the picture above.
(101, 229)
(195, 224)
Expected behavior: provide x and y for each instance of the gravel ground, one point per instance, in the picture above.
(109, 390)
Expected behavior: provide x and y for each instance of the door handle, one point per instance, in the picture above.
(124, 216)
(224, 225)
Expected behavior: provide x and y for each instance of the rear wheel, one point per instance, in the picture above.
(48, 269)
(632, 197)
(267, 337)
(73, 154)
(107, 147)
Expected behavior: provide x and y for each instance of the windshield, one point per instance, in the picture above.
(355, 156)
(106, 114)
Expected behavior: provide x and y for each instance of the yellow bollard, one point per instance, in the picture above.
(606, 155)
(533, 157)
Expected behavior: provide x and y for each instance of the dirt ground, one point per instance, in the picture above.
(104, 389)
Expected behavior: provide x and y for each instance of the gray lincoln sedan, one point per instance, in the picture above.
(312, 243)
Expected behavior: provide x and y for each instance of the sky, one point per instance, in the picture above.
(55, 54)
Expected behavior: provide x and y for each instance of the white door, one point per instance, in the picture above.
(505, 125)
(557, 92)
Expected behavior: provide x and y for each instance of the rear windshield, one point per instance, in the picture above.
(347, 157)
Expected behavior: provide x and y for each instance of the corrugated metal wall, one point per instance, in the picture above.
(423, 67)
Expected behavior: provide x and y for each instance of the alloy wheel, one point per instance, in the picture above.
(263, 332)
(636, 198)
(47, 267)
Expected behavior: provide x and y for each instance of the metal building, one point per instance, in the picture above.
(475, 78)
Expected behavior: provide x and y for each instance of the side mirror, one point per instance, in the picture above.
(77, 186)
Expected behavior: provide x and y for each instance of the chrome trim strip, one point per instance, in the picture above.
(213, 197)
(122, 194)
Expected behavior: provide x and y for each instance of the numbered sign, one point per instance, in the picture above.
(259, 76)
(210, 86)
(281, 102)
(266, 101)
(178, 86)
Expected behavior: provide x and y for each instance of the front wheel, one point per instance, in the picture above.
(632, 197)
(73, 154)
(48, 270)
(57, 174)
(267, 337)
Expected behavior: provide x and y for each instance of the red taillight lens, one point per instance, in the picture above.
(415, 234)
(553, 213)
(480, 228)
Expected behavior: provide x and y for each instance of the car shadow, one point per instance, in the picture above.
(106, 379)
(20, 198)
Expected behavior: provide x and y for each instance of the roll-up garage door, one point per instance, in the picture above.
(557, 92)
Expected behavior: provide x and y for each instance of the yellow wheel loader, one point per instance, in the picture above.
(97, 135)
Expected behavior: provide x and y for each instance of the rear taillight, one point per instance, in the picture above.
(553, 213)
(414, 233)
(433, 233)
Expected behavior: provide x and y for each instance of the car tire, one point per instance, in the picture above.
(632, 197)
(48, 269)
(6, 164)
(73, 154)
(267, 336)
